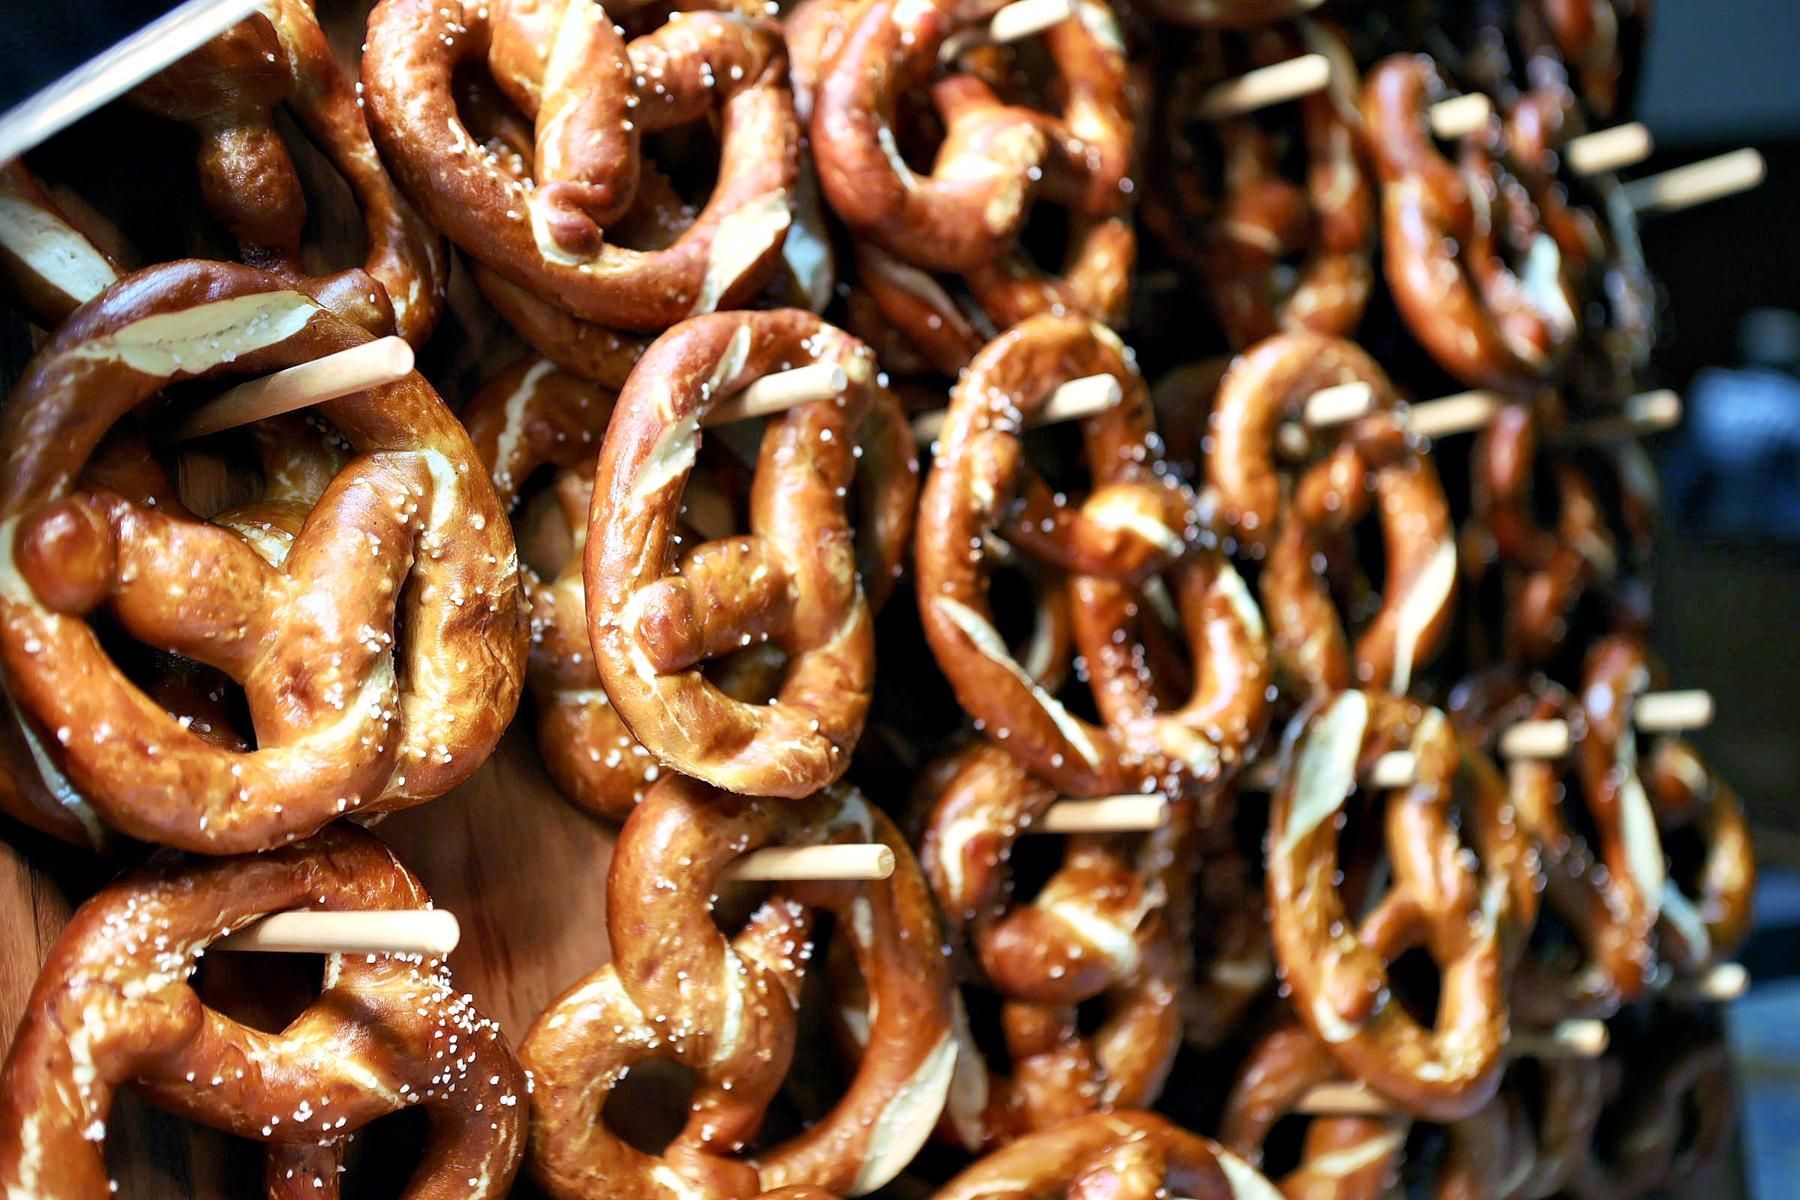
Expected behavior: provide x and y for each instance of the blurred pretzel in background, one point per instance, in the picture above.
(1707, 903)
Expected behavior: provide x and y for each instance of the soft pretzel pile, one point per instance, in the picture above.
(726, 638)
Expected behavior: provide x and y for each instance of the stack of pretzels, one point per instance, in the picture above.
(602, 228)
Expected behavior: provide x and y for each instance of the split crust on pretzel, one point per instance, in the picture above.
(678, 988)
(372, 688)
(593, 96)
(1467, 904)
(793, 580)
(113, 1008)
(1483, 323)
(48, 260)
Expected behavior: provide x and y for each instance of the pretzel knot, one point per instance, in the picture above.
(1706, 908)
(1345, 1157)
(228, 91)
(678, 989)
(380, 645)
(542, 223)
(1107, 927)
(1112, 1154)
(1492, 315)
(1376, 461)
(1466, 906)
(114, 1008)
(1590, 885)
(792, 581)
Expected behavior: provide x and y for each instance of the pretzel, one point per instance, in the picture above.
(1590, 885)
(679, 989)
(1469, 916)
(1706, 908)
(347, 718)
(1376, 460)
(943, 330)
(1344, 1157)
(1112, 1154)
(1105, 926)
(792, 581)
(543, 224)
(228, 90)
(114, 1008)
(1234, 966)
(50, 263)
(1669, 1114)
(1484, 322)
(1598, 42)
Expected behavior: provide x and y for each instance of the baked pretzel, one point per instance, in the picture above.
(679, 989)
(793, 580)
(1377, 460)
(228, 91)
(1598, 42)
(1120, 1154)
(1343, 1157)
(1706, 905)
(1448, 231)
(1590, 884)
(47, 259)
(371, 689)
(1529, 1142)
(1138, 520)
(114, 1008)
(942, 329)
(1107, 926)
(1466, 903)
(1233, 963)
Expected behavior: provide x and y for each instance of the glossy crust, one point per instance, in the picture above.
(1707, 908)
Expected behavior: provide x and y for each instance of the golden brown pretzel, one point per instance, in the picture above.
(1343, 1157)
(1107, 926)
(49, 262)
(371, 688)
(545, 224)
(944, 330)
(793, 580)
(113, 1008)
(1119, 1154)
(1484, 322)
(228, 91)
(1467, 903)
(1706, 907)
(679, 989)
(1377, 461)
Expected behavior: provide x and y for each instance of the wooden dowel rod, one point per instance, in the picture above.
(1344, 1100)
(855, 860)
(1460, 115)
(1646, 412)
(1109, 814)
(431, 932)
(372, 364)
(1696, 183)
(1671, 712)
(1724, 983)
(780, 392)
(1013, 23)
(1608, 149)
(1339, 405)
(1567, 1039)
(1536, 739)
(1266, 86)
(1463, 412)
(1072, 401)
(1397, 768)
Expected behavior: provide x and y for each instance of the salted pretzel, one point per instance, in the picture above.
(228, 91)
(1344, 1157)
(47, 259)
(678, 988)
(943, 329)
(114, 1008)
(1451, 233)
(1706, 906)
(1137, 521)
(792, 581)
(1125, 1153)
(1590, 883)
(1233, 966)
(1106, 927)
(1529, 1140)
(1376, 461)
(371, 688)
(1463, 889)
(544, 224)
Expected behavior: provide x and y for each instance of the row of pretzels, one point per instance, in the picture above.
(250, 685)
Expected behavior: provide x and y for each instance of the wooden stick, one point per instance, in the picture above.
(372, 364)
(1395, 769)
(1338, 405)
(1722, 984)
(1671, 712)
(1072, 401)
(1646, 412)
(1344, 1100)
(856, 860)
(1696, 183)
(1463, 412)
(116, 71)
(1536, 739)
(1608, 149)
(432, 932)
(1109, 814)
(1013, 23)
(1567, 1039)
(780, 392)
(1460, 115)
(1266, 86)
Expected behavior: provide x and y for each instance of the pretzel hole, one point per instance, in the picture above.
(649, 1107)
(265, 992)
